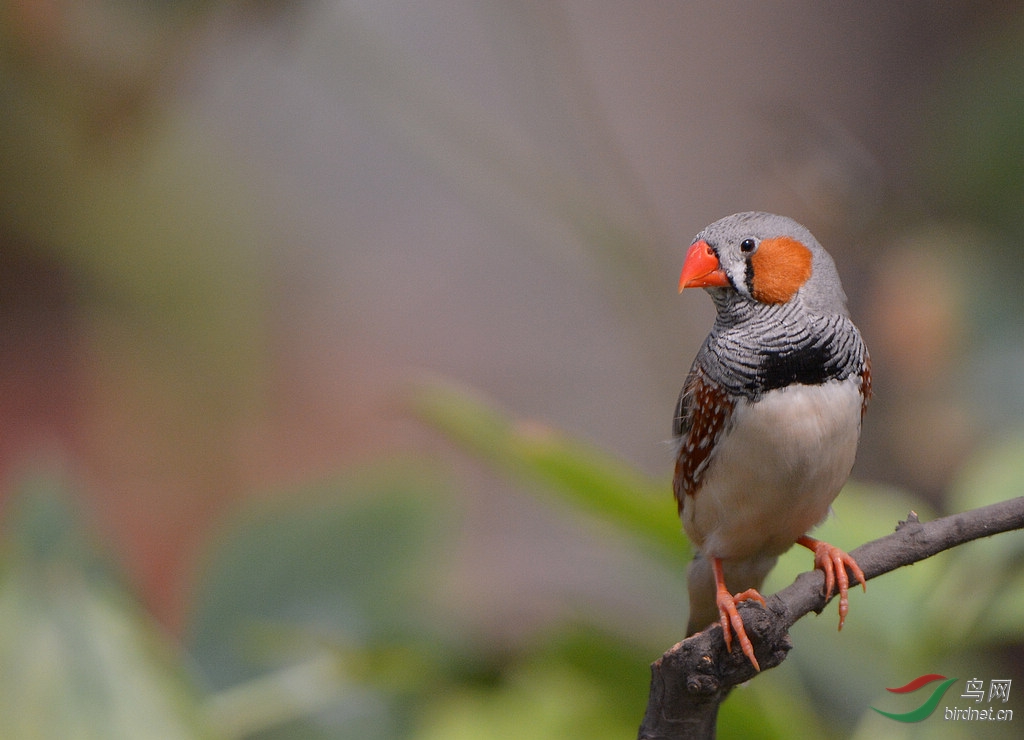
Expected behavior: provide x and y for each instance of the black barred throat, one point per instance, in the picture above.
(765, 354)
(809, 365)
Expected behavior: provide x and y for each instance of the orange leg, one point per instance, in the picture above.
(729, 617)
(834, 562)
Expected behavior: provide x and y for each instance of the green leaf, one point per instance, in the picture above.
(78, 658)
(575, 472)
(995, 473)
(981, 595)
(316, 604)
(579, 683)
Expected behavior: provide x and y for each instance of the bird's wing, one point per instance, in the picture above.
(702, 412)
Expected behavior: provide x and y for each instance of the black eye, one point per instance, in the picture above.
(747, 246)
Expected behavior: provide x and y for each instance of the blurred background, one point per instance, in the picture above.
(339, 343)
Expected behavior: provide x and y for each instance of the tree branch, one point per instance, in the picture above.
(692, 679)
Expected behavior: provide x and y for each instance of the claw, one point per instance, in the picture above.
(834, 563)
(729, 617)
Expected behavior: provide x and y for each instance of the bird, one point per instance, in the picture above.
(768, 421)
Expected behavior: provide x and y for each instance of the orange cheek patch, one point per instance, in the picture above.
(780, 266)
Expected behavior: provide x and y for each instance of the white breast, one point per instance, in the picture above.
(776, 470)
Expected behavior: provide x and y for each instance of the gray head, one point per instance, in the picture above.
(755, 257)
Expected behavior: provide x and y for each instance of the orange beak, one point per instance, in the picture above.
(701, 269)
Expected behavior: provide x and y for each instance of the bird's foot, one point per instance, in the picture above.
(732, 622)
(834, 563)
(729, 617)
